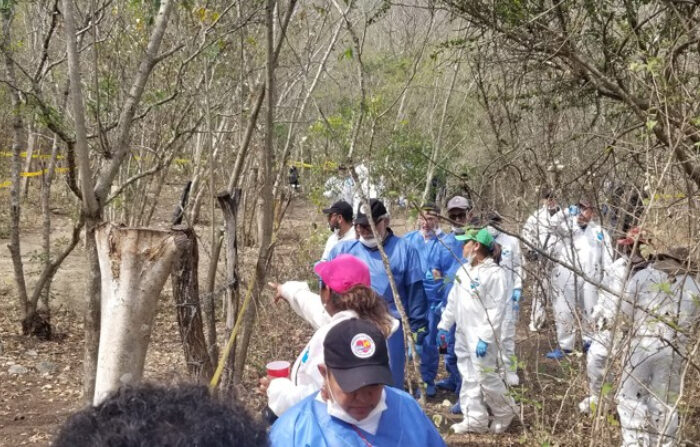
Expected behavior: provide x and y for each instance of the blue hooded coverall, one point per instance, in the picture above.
(456, 248)
(433, 256)
(408, 275)
(309, 424)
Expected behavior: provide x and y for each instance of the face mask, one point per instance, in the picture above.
(368, 424)
(369, 243)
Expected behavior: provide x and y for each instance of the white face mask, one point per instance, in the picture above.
(369, 243)
(370, 424)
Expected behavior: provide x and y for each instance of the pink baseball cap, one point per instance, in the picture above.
(343, 273)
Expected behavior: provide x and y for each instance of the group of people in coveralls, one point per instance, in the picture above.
(461, 291)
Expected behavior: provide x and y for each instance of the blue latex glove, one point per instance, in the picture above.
(442, 338)
(574, 210)
(517, 293)
(481, 348)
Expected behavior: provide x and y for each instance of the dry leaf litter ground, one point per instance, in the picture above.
(40, 382)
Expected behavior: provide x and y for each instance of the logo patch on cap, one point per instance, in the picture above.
(362, 346)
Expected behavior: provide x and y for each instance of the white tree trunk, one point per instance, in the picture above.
(134, 265)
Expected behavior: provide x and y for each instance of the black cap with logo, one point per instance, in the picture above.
(355, 353)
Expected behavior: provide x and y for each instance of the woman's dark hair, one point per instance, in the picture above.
(494, 253)
(368, 305)
(154, 416)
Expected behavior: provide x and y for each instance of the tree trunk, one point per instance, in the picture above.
(229, 207)
(14, 246)
(91, 209)
(91, 319)
(209, 300)
(189, 314)
(265, 203)
(135, 263)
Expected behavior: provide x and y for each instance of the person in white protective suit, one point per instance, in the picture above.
(511, 263)
(662, 309)
(606, 338)
(340, 187)
(475, 304)
(538, 231)
(345, 294)
(585, 246)
(370, 188)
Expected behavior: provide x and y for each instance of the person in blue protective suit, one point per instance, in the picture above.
(459, 213)
(408, 276)
(435, 260)
(354, 407)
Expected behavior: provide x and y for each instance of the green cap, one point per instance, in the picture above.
(481, 236)
(467, 235)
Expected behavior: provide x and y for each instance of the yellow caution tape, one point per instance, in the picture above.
(61, 157)
(326, 166)
(24, 155)
(33, 174)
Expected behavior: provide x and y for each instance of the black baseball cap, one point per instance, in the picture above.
(378, 211)
(340, 207)
(355, 353)
(430, 208)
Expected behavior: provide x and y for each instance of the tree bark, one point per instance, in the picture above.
(209, 300)
(229, 207)
(135, 263)
(265, 204)
(15, 206)
(189, 314)
(91, 210)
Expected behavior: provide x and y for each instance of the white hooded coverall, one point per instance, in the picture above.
(604, 315)
(651, 376)
(589, 250)
(475, 305)
(538, 231)
(511, 264)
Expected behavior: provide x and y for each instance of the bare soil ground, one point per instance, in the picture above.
(34, 404)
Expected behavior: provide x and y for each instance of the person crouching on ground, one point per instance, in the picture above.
(345, 293)
(354, 407)
(476, 305)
